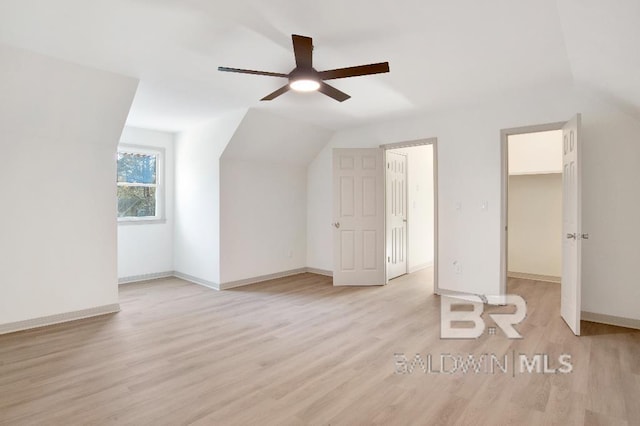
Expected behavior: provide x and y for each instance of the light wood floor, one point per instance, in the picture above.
(299, 351)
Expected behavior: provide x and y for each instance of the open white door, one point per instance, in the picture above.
(358, 214)
(570, 299)
(396, 214)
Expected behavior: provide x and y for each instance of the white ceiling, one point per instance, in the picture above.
(441, 53)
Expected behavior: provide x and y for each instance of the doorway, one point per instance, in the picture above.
(359, 223)
(562, 138)
(534, 206)
(410, 208)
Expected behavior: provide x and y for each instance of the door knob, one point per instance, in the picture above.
(585, 236)
(571, 236)
(336, 224)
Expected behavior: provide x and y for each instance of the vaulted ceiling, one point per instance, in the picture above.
(442, 53)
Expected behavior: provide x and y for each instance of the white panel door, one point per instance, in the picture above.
(570, 298)
(358, 217)
(396, 213)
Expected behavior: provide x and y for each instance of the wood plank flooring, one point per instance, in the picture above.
(297, 351)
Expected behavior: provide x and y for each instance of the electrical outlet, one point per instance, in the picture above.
(457, 268)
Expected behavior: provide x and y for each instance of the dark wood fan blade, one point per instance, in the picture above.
(241, 71)
(303, 50)
(333, 92)
(381, 67)
(280, 91)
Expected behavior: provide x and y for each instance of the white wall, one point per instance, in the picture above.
(264, 195)
(263, 218)
(60, 128)
(420, 206)
(535, 153)
(469, 176)
(147, 248)
(197, 197)
(610, 203)
(535, 224)
(319, 211)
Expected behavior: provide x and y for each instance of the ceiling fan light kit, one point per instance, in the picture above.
(304, 85)
(304, 78)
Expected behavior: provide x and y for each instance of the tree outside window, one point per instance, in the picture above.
(137, 184)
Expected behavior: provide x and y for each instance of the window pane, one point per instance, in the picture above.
(136, 168)
(136, 201)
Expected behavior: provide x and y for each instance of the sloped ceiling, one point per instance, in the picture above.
(266, 137)
(442, 53)
(602, 40)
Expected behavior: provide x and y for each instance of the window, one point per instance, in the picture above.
(139, 189)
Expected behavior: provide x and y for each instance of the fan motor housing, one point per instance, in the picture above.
(303, 74)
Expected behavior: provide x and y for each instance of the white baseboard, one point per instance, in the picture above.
(261, 278)
(330, 273)
(533, 277)
(145, 277)
(226, 285)
(168, 274)
(58, 318)
(196, 280)
(419, 267)
(610, 320)
(319, 272)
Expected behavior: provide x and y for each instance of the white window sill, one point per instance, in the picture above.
(153, 221)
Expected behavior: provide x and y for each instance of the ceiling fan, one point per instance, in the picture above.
(305, 78)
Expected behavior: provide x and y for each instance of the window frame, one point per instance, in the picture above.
(159, 152)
